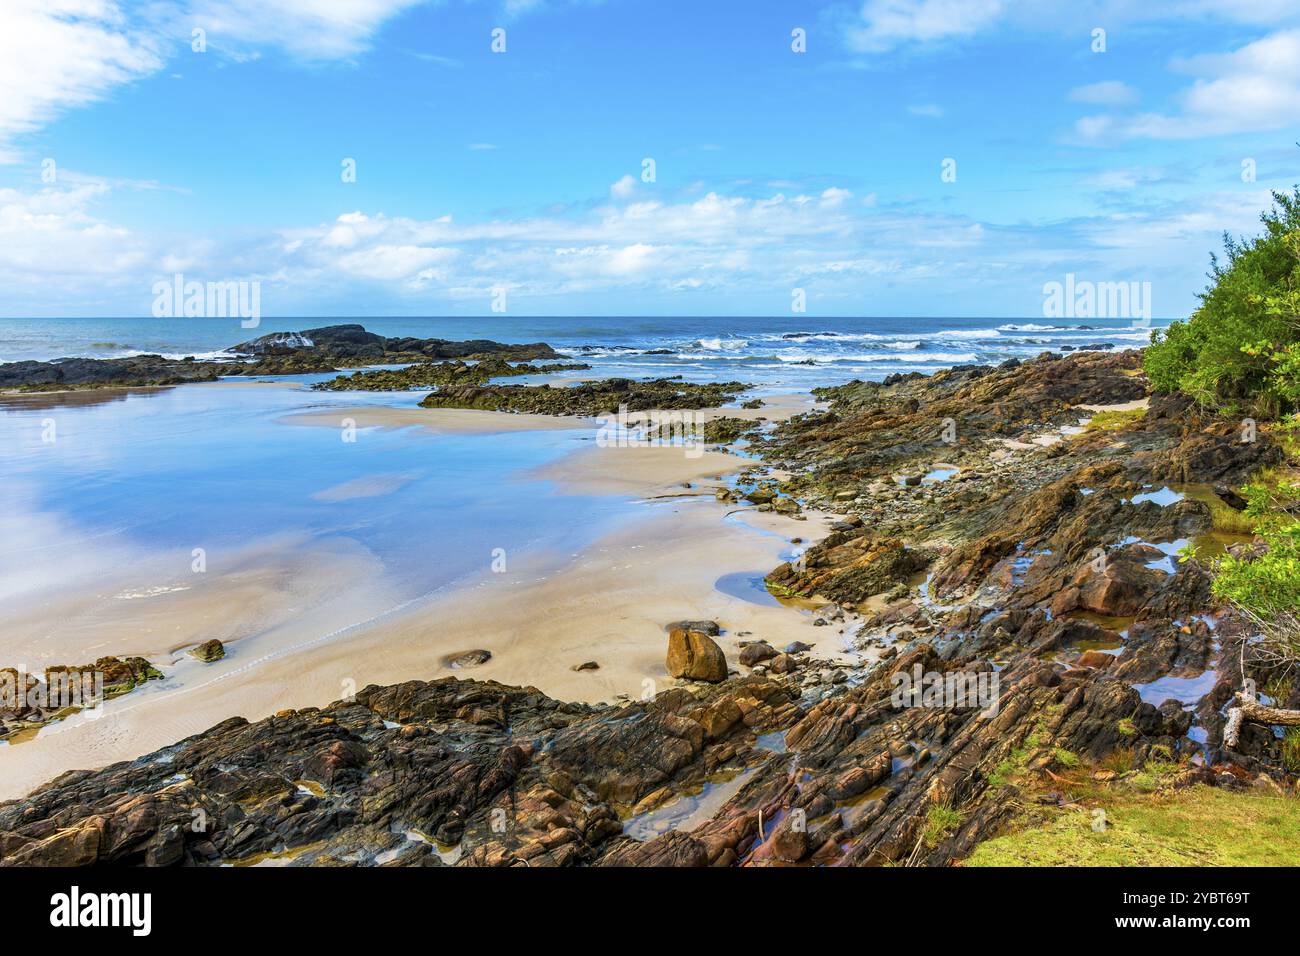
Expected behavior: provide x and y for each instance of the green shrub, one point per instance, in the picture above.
(1269, 585)
(1291, 749)
(1240, 351)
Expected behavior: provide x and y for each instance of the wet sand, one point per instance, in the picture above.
(309, 635)
(642, 471)
(156, 607)
(461, 421)
(473, 421)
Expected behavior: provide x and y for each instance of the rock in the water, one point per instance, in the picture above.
(210, 651)
(692, 653)
(587, 666)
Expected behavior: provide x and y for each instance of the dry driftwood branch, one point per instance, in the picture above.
(1248, 708)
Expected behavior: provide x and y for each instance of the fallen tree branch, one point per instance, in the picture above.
(1248, 708)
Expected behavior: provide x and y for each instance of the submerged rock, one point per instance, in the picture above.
(209, 651)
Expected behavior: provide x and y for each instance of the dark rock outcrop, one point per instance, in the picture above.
(280, 353)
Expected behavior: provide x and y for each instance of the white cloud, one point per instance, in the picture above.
(54, 249)
(57, 54)
(834, 196)
(308, 29)
(60, 54)
(1105, 93)
(395, 261)
(883, 25)
(1112, 179)
(57, 256)
(623, 188)
(1254, 88)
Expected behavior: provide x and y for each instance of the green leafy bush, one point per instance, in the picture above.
(1240, 351)
(1269, 585)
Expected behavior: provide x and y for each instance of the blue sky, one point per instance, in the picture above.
(774, 170)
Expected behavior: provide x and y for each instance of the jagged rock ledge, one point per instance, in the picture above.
(281, 353)
(603, 397)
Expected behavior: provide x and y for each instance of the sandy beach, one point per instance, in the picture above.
(438, 420)
(308, 625)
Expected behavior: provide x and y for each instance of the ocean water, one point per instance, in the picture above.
(775, 353)
(160, 473)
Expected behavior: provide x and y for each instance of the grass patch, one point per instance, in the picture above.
(1291, 749)
(1115, 420)
(1228, 519)
(1002, 774)
(1198, 826)
(1119, 760)
(1064, 758)
(1153, 773)
(940, 820)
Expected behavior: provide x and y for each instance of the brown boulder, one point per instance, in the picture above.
(783, 664)
(1065, 601)
(695, 655)
(1098, 660)
(1121, 589)
(756, 653)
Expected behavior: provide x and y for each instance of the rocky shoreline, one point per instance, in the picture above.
(327, 349)
(28, 702)
(587, 399)
(1021, 527)
(440, 374)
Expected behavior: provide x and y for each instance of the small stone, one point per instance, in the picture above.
(783, 664)
(756, 653)
(465, 659)
(210, 651)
